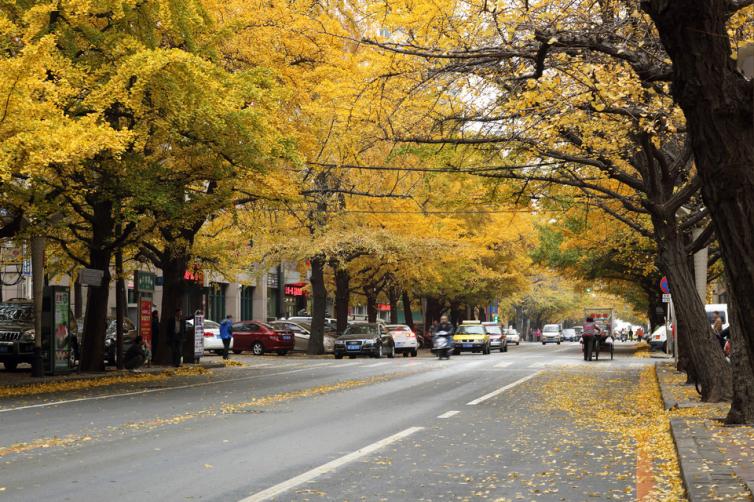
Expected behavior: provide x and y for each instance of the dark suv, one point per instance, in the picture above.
(16, 332)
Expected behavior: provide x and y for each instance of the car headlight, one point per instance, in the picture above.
(108, 342)
(368, 342)
(28, 335)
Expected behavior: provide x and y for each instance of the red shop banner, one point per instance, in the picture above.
(145, 321)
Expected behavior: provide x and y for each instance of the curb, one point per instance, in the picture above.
(702, 482)
(704, 473)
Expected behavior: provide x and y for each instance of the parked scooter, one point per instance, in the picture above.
(442, 345)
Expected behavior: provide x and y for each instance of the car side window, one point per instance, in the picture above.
(252, 328)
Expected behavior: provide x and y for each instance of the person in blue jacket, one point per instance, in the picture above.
(226, 334)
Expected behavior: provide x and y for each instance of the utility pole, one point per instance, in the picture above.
(37, 277)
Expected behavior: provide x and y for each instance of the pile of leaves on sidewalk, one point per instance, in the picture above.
(600, 402)
(99, 381)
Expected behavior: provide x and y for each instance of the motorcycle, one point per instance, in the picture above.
(441, 344)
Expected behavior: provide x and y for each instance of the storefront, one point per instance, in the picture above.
(295, 301)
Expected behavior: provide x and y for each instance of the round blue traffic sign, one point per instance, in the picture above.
(664, 285)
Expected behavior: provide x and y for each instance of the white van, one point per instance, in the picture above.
(721, 309)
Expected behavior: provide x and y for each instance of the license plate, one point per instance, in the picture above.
(286, 337)
(468, 345)
(353, 347)
(4, 348)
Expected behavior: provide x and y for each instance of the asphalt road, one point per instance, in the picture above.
(286, 428)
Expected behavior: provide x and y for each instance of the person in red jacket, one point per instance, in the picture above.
(588, 336)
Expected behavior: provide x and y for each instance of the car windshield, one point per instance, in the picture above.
(210, 324)
(361, 329)
(494, 330)
(16, 312)
(398, 328)
(471, 330)
(550, 328)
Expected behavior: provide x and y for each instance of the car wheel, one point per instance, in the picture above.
(338, 356)
(282, 352)
(558, 342)
(351, 357)
(405, 354)
(10, 365)
(236, 351)
(544, 343)
(504, 348)
(379, 352)
(257, 349)
(456, 352)
(391, 354)
(413, 353)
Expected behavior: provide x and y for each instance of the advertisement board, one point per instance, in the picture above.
(60, 340)
(198, 336)
(145, 319)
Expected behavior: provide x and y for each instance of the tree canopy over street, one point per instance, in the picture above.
(432, 156)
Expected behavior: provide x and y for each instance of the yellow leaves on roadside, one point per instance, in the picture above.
(92, 383)
(638, 420)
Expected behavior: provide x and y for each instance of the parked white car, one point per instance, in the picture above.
(212, 340)
(512, 336)
(405, 339)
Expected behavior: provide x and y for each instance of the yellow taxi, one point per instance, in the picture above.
(471, 336)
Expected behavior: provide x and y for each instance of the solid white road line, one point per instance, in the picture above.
(147, 391)
(540, 364)
(320, 365)
(449, 414)
(504, 364)
(376, 364)
(343, 365)
(283, 487)
(501, 390)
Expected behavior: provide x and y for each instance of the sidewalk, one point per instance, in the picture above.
(717, 461)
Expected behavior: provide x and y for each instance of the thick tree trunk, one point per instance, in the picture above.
(342, 297)
(394, 294)
(319, 305)
(712, 370)
(717, 102)
(95, 320)
(434, 310)
(173, 291)
(742, 407)
(407, 314)
(371, 296)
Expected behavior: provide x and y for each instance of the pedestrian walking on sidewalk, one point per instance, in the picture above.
(588, 336)
(176, 336)
(226, 334)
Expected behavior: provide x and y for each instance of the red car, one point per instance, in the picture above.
(259, 337)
